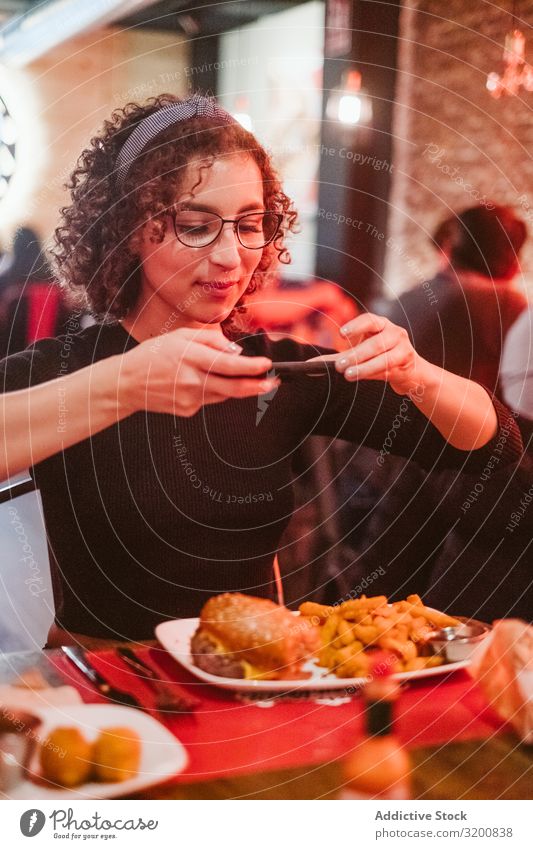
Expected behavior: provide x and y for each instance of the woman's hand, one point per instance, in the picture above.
(460, 409)
(379, 350)
(184, 369)
(175, 373)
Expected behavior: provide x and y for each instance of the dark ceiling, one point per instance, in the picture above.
(202, 17)
(206, 17)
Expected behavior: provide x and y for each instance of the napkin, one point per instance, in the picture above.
(503, 667)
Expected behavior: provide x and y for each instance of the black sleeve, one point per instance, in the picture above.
(370, 413)
(37, 364)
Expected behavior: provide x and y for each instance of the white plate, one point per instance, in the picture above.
(162, 755)
(175, 637)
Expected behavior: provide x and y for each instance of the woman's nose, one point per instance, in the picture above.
(226, 250)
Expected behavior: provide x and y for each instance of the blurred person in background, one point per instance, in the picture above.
(459, 319)
(31, 304)
(442, 241)
(421, 528)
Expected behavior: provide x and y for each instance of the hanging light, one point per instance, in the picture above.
(349, 104)
(517, 73)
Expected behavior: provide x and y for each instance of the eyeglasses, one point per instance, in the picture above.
(254, 230)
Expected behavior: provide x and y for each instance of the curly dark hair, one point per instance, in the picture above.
(93, 242)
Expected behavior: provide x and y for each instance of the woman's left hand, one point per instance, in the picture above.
(460, 409)
(380, 350)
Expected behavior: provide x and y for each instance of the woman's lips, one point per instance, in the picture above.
(218, 284)
(217, 287)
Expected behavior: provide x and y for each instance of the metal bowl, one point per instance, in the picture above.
(457, 643)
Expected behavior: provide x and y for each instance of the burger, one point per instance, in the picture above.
(241, 636)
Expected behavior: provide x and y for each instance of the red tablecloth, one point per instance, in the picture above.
(227, 735)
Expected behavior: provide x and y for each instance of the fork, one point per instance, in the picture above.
(168, 698)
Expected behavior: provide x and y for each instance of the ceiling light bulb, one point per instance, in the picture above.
(350, 109)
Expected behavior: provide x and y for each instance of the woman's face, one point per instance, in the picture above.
(190, 287)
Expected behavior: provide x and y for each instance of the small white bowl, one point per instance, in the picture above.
(458, 642)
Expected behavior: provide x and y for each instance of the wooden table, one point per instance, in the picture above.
(489, 769)
(495, 768)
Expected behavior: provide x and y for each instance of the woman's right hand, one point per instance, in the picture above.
(184, 369)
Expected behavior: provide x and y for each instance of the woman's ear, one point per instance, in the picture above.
(152, 231)
(155, 229)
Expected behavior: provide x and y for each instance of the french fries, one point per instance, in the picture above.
(349, 629)
(321, 611)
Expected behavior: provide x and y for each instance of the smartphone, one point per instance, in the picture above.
(310, 368)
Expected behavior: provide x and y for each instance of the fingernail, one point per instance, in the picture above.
(344, 330)
(234, 347)
(269, 385)
(343, 362)
(351, 372)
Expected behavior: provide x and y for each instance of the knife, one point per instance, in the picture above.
(79, 658)
(171, 695)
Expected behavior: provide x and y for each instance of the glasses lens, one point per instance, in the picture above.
(258, 229)
(197, 229)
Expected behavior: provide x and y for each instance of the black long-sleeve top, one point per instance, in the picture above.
(151, 516)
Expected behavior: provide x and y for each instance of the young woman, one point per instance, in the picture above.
(165, 476)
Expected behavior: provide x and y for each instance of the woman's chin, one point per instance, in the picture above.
(216, 315)
(215, 306)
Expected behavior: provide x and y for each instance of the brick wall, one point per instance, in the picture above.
(64, 97)
(453, 143)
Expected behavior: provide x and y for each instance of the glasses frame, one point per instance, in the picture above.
(235, 222)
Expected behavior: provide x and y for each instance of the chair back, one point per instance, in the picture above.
(26, 597)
